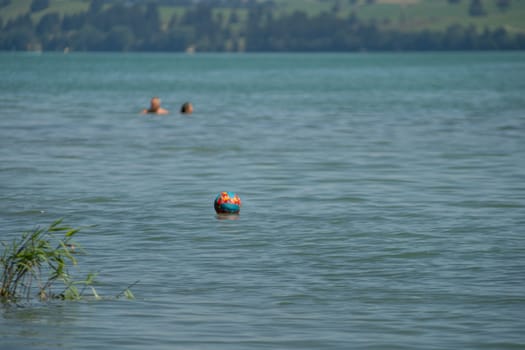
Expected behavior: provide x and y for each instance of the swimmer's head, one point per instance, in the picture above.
(186, 108)
(154, 103)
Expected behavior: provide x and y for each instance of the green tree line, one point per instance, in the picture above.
(128, 26)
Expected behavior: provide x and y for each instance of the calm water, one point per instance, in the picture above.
(383, 198)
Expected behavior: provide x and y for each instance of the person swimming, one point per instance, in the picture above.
(155, 107)
(186, 108)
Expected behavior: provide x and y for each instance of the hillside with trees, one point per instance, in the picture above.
(258, 25)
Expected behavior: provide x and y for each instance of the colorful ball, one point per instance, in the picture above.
(227, 203)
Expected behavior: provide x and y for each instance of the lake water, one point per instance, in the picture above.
(383, 198)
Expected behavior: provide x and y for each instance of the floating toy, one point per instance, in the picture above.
(227, 203)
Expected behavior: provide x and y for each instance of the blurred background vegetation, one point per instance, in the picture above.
(261, 25)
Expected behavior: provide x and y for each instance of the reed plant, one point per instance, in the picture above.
(37, 265)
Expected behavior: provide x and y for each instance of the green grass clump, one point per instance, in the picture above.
(37, 266)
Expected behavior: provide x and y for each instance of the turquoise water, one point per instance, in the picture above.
(383, 198)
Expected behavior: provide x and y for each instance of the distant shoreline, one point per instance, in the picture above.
(270, 26)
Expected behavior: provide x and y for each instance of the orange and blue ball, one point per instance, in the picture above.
(227, 203)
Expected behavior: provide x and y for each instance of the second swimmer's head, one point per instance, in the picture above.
(186, 108)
